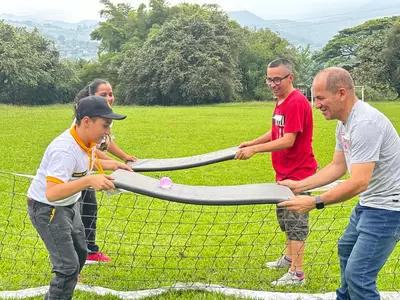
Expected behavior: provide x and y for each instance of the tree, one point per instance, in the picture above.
(391, 58)
(111, 33)
(307, 65)
(370, 67)
(189, 60)
(31, 71)
(345, 46)
(377, 62)
(261, 47)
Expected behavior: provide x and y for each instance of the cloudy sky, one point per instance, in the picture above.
(76, 10)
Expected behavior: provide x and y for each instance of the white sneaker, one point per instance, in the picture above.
(281, 263)
(289, 278)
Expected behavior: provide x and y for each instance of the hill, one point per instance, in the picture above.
(318, 30)
(72, 39)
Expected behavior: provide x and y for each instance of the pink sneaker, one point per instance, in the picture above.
(95, 258)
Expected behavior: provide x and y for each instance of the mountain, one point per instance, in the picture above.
(71, 39)
(316, 30)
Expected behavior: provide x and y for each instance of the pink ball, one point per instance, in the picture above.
(165, 182)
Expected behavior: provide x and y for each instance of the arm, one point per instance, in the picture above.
(366, 140)
(260, 140)
(59, 191)
(113, 165)
(332, 172)
(284, 142)
(361, 175)
(115, 150)
(102, 155)
(358, 182)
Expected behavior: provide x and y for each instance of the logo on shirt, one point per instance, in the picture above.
(345, 141)
(279, 121)
(81, 174)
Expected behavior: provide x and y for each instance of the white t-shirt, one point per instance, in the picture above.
(65, 159)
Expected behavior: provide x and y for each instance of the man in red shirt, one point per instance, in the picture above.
(290, 144)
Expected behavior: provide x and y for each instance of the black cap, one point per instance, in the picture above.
(95, 106)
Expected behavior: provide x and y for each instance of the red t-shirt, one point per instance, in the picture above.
(294, 115)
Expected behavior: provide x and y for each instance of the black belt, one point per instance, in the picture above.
(69, 206)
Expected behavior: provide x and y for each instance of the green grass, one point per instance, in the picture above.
(155, 243)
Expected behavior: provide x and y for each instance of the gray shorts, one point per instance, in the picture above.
(294, 224)
(61, 229)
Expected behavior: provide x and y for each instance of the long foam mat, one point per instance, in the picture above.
(267, 193)
(169, 164)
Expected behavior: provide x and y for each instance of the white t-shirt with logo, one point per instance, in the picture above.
(64, 160)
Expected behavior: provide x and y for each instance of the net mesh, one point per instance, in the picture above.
(155, 243)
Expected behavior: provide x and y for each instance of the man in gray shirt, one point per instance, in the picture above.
(368, 146)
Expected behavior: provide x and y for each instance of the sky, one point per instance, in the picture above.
(77, 10)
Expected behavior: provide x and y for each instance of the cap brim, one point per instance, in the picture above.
(113, 116)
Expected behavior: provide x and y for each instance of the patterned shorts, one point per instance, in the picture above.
(294, 224)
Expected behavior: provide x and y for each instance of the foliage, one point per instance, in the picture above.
(345, 46)
(370, 52)
(262, 46)
(391, 58)
(378, 59)
(188, 55)
(192, 59)
(31, 71)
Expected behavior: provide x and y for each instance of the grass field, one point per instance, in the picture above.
(155, 243)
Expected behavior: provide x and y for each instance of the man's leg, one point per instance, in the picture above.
(297, 232)
(378, 233)
(283, 262)
(345, 247)
(297, 255)
(296, 227)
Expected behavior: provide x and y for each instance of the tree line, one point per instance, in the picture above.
(189, 54)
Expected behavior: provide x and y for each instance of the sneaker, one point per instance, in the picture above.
(290, 278)
(281, 263)
(95, 258)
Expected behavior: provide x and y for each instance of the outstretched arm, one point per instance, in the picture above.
(102, 155)
(265, 138)
(332, 172)
(358, 182)
(284, 142)
(117, 151)
(60, 190)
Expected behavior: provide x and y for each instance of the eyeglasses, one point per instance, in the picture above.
(276, 80)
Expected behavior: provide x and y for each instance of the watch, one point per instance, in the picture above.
(318, 202)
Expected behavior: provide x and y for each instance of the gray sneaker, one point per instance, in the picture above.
(289, 278)
(281, 263)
